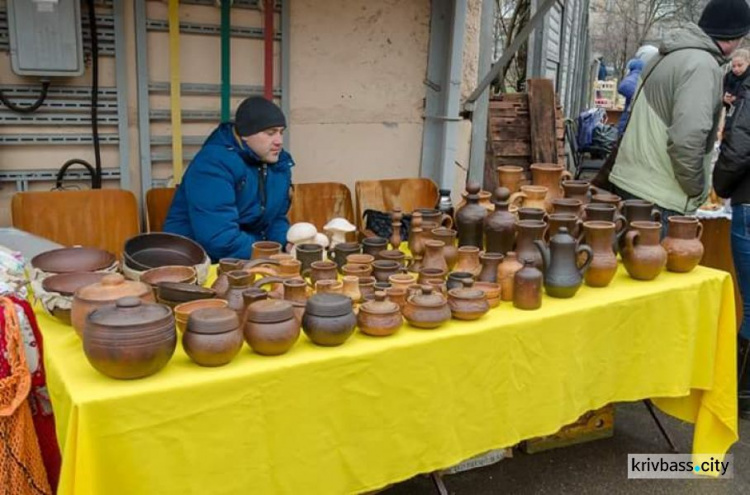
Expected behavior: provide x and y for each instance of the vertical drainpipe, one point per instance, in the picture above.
(226, 61)
(268, 33)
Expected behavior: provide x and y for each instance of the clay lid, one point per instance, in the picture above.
(500, 196)
(427, 299)
(467, 291)
(76, 259)
(213, 321)
(67, 283)
(181, 292)
(473, 188)
(380, 306)
(111, 288)
(329, 305)
(270, 311)
(129, 312)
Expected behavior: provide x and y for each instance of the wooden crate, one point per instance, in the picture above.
(593, 425)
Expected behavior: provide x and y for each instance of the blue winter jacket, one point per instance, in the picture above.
(229, 199)
(627, 89)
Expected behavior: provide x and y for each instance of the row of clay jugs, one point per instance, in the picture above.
(551, 176)
(562, 275)
(643, 256)
(510, 177)
(379, 318)
(426, 309)
(213, 336)
(271, 328)
(470, 219)
(683, 244)
(506, 271)
(500, 225)
(467, 303)
(599, 235)
(527, 286)
(577, 189)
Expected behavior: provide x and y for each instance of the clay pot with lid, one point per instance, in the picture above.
(271, 328)
(107, 291)
(380, 317)
(643, 256)
(129, 339)
(427, 309)
(182, 311)
(467, 303)
(683, 244)
(329, 319)
(500, 225)
(213, 336)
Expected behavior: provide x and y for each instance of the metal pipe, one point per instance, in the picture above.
(268, 34)
(226, 62)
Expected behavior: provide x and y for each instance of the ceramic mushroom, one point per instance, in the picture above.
(337, 230)
(301, 233)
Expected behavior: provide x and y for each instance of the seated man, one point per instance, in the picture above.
(236, 190)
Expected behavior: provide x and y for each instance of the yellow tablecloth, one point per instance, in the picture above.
(380, 410)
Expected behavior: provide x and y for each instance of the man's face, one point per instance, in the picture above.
(729, 46)
(739, 66)
(266, 144)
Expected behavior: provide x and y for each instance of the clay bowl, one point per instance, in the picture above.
(77, 259)
(178, 274)
(146, 251)
(182, 311)
(174, 293)
(66, 284)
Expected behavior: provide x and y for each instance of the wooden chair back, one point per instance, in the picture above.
(319, 202)
(384, 195)
(158, 201)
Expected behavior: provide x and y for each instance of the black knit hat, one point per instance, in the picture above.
(726, 19)
(256, 114)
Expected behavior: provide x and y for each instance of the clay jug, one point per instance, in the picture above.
(599, 235)
(527, 287)
(643, 256)
(549, 175)
(500, 225)
(528, 232)
(577, 189)
(450, 251)
(295, 290)
(532, 214)
(226, 265)
(562, 275)
(510, 177)
(490, 262)
(239, 281)
(607, 199)
(637, 210)
(529, 197)
(572, 223)
(606, 213)
(505, 273)
(468, 260)
(470, 219)
(567, 205)
(432, 219)
(683, 244)
(433, 255)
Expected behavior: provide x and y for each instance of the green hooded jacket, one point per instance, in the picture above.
(665, 154)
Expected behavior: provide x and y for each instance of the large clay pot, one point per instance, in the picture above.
(490, 262)
(468, 260)
(380, 317)
(213, 336)
(427, 309)
(500, 225)
(562, 275)
(505, 273)
(329, 319)
(599, 235)
(529, 231)
(643, 256)
(577, 189)
(470, 219)
(549, 175)
(450, 251)
(532, 196)
(683, 244)
(130, 338)
(510, 177)
(527, 287)
(271, 328)
(433, 255)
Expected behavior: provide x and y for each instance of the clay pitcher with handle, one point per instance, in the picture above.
(562, 275)
(549, 175)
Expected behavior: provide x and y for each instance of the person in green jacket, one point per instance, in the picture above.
(665, 154)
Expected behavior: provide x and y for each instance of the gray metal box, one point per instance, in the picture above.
(45, 37)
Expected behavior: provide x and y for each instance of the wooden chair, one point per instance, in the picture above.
(102, 218)
(319, 202)
(384, 195)
(158, 201)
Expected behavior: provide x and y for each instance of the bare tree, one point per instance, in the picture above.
(510, 17)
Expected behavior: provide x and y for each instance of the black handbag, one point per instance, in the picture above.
(381, 225)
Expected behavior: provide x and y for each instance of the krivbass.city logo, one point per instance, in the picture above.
(642, 466)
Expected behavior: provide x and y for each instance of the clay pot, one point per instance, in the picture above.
(65, 285)
(456, 279)
(468, 260)
(183, 311)
(599, 236)
(549, 175)
(392, 255)
(683, 244)
(426, 310)
(213, 337)
(577, 189)
(562, 275)
(239, 282)
(295, 290)
(491, 291)
(450, 251)
(307, 254)
(75, 259)
(373, 245)
(490, 262)
(529, 231)
(500, 225)
(360, 259)
(110, 289)
(427, 274)
(351, 288)
(530, 197)
(643, 256)
(179, 274)
(567, 205)
(226, 265)
(382, 270)
(506, 271)
(343, 250)
(538, 214)
(265, 249)
(571, 222)
(359, 270)
(129, 339)
(271, 328)
(510, 177)
(433, 255)
(289, 269)
(470, 219)
(329, 319)
(322, 270)
(330, 286)
(467, 303)
(367, 288)
(402, 280)
(607, 199)
(527, 287)
(397, 295)
(380, 317)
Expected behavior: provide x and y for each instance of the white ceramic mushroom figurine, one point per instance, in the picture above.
(337, 230)
(301, 233)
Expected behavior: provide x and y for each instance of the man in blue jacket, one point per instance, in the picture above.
(236, 190)
(627, 89)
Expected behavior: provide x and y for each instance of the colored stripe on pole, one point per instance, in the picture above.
(174, 87)
(226, 63)
(268, 50)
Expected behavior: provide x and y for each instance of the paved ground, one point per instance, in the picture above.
(593, 468)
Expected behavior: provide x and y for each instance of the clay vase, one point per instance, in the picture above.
(549, 175)
(264, 249)
(295, 290)
(373, 245)
(529, 231)
(530, 197)
(307, 254)
(577, 189)
(643, 256)
(433, 255)
(500, 225)
(351, 288)
(271, 328)
(490, 262)
(683, 244)
(599, 236)
(450, 251)
(379, 318)
(562, 275)
(539, 214)
(572, 223)
(505, 273)
(470, 219)
(510, 177)
(468, 260)
(527, 287)
(417, 238)
(567, 205)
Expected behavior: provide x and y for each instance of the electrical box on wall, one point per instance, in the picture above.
(45, 37)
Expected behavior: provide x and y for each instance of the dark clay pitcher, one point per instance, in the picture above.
(562, 275)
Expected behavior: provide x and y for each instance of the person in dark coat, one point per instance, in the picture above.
(602, 76)
(236, 190)
(736, 76)
(627, 89)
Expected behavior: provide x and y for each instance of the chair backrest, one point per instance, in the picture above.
(158, 201)
(384, 195)
(318, 202)
(103, 218)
